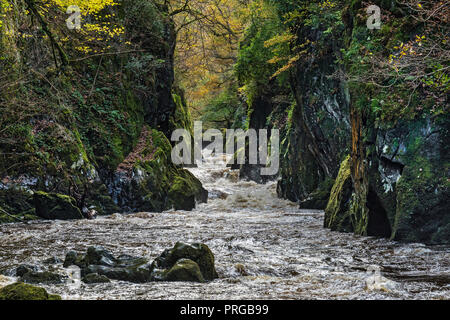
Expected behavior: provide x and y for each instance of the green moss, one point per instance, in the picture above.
(56, 206)
(184, 270)
(182, 117)
(22, 291)
(16, 204)
(197, 252)
(184, 190)
(337, 212)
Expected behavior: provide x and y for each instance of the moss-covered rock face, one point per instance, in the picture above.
(394, 126)
(73, 120)
(148, 180)
(416, 178)
(22, 291)
(56, 206)
(312, 114)
(337, 212)
(400, 156)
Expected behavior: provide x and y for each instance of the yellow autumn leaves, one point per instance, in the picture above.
(87, 7)
(4, 8)
(405, 49)
(99, 29)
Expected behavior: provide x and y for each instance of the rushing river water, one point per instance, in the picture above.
(265, 248)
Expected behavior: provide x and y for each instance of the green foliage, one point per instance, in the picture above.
(253, 69)
(223, 112)
(396, 70)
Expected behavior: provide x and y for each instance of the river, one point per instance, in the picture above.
(265, 248)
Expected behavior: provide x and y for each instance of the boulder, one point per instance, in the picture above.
(184, 270)
(99, 256)
(25, 268)
(184, 262)
(197, 252)
(98, 260)
(45, 277)
(74, 259)
(23, 291)
(52, 260)
(54, 206)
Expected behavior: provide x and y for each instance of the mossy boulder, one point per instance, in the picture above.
(197, 252)
(73, 258)
(184, 270)
(54, 206)
(185, 191)
(337, 211)
(23, 291)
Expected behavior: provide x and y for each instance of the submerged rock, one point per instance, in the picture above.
(56, 206)
(23, 291)
(73, 259)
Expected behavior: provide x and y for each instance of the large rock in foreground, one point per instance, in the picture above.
(22, 291)
(184, 262)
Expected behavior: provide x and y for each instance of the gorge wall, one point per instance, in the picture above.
(365, 135)
(86, 115)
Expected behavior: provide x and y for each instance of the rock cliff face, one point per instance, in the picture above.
(399, 164)
(319, 130)
(393, 156)
(91, 125)
(400, 181)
